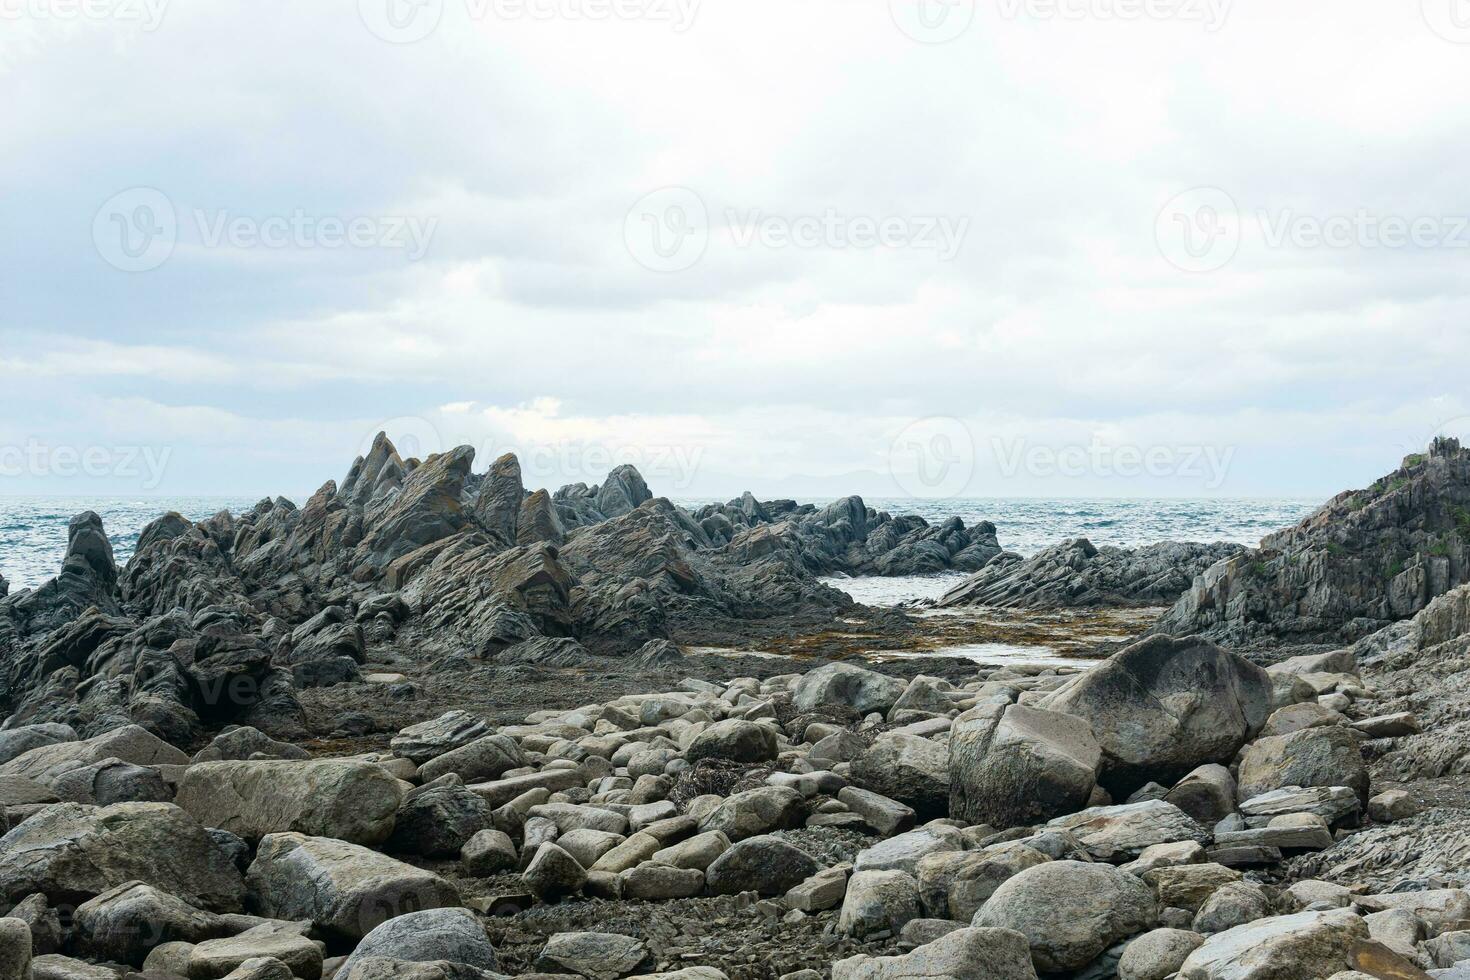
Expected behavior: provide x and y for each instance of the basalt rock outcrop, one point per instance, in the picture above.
(1075, 574)
(220, 621)
(1366, 559)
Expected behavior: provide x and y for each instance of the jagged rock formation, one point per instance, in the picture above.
(88, 578)
(1366, 559)
(848, 537)
(1074, 573)
(220, 621)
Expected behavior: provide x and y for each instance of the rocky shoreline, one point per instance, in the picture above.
(432, 725)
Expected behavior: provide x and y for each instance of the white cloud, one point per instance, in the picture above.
(528, 320)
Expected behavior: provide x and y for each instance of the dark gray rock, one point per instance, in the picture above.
(452, 935)
(437, 821)
(1075, 574)
(124, 923)
(70, 852)
(913, 770)
(1012, 765)
(765, 864)
(431, 739)
(734, 740)
(346, 890)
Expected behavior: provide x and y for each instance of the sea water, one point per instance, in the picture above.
(33, 529)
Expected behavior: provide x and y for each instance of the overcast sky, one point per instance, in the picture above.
(1010, 247)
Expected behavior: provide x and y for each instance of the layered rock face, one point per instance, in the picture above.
(218, 622)
(1075, 574)
(1365, 559)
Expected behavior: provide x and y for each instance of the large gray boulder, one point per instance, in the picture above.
(965, 954)
(106, 782)
(878, 901)
(907, 768)
(853, 687)
(430, 739)
(1311, 757)
(1129, 828)
(734, 740)
(15, 742)
(15, 937)
(1207, 794)
(905, 851)
(129, 743)
(437, 821)
(596, 955)
(453, 935)
(1157, 955)
(282, 942)
(488, 757)
(244, 742)
(1165, 706)
(1305, 946)
(954, 884)
(70, 852)
(1070, 911)
(753, 812)
(767, 865)
(124, 923)
(338, 798)
(346, 890)
(1013, 765)
(378, 968)
(553, 874)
